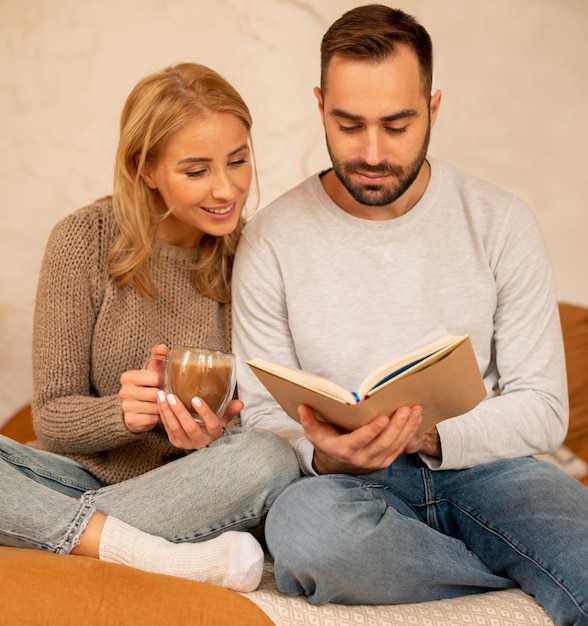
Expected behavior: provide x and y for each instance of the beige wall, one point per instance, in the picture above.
(515, 111)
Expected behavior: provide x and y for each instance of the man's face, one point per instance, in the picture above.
(377, 124)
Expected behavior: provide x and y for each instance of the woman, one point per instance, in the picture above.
(121, 472)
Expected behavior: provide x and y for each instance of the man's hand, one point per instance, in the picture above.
(427, 443)
(368, 449)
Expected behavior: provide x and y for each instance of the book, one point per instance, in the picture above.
(442, 376)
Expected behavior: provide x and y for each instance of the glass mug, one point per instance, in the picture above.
(208, 374)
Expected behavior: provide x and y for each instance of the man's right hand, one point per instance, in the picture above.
(368, 449)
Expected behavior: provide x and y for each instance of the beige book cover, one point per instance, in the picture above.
(443, 377)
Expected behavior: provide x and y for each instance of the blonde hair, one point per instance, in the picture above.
(158, 106)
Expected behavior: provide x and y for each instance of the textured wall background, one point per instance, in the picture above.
(515, 111)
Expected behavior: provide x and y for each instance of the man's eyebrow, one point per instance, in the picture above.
(387, 118)
(208, 159)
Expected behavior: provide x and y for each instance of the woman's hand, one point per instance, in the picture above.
(138, 393)
(184, 431)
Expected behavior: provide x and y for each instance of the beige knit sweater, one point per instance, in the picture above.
(87, 332)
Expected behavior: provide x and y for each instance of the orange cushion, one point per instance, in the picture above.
(574, 324)
(43, 589)
(20, 426)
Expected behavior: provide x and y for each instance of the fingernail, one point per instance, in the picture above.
(403, 413)
(197, 402)
(161, 396)
(171, 399)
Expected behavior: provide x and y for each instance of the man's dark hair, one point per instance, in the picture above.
(373, 33)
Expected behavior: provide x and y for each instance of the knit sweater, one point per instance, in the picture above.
(317, 288)
(87, 332)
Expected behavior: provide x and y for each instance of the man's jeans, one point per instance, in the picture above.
(46, 500)
(421, 535)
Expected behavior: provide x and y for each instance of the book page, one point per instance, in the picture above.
(406, 362)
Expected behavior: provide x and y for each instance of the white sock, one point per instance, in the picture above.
(233, 560)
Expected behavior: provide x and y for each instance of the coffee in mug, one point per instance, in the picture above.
(207, 374)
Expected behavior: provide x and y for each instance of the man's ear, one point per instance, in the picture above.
(434, 105)
(319, 97)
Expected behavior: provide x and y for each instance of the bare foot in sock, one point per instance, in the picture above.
(233, 560)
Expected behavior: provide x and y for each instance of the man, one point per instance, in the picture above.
(364, 262)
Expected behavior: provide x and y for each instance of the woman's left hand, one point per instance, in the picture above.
(187, 433)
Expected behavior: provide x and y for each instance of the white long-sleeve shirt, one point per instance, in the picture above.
(317, 288)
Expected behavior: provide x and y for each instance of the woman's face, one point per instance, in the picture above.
(203, 175)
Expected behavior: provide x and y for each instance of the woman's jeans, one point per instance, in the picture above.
(46, 500)
(421, 535)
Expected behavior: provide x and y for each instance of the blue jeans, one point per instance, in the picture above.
(46, 499)
(421, 535)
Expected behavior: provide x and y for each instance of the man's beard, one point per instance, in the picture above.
(379, 195)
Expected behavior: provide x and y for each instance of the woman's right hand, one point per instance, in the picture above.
(138, 394)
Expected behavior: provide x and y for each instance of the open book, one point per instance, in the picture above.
(442, 376)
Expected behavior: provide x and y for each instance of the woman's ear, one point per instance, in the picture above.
(147, 174)
(148, 177)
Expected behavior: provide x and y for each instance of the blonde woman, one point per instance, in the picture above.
(119, 470)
